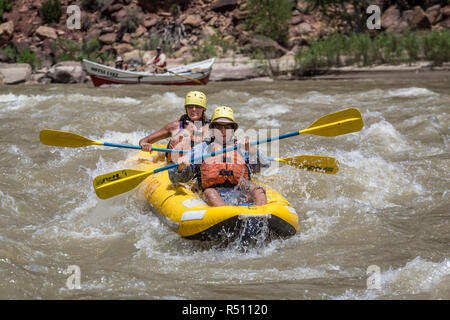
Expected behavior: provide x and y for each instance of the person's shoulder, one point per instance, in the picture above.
(173, 125)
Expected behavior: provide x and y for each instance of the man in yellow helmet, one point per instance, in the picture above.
(224, 178)
(190, 129)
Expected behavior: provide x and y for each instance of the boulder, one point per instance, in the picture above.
(108, 38)
(148, 23)
(302, 6)
(304, 28)
(434, 13)
(161, 5)
(262, 42)
(13, 73)
(420, 20)
(183, 52)
(390, 18)
(139, 32)
(67, 72)
(6, 31)
(444, 24)
(193, 20)
(44, 32)
(407, 16)
(109, 8)
(126, 38)
(122, 48)
(133, 56)
(446, 11)
(230, 70)
(297, 19)
(118, 15)
(208, 31)
(223, 5)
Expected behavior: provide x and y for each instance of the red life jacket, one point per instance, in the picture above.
(156, 61)
(226, 167)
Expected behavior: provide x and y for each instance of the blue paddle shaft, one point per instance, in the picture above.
(139, 147)
(287, 135)
(212, 154)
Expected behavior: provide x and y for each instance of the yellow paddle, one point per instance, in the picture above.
(321, 164)
(338, 123)
(72, 140)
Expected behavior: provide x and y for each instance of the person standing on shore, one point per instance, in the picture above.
(192, 127)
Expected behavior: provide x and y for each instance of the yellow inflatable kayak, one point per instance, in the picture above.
(187, 214)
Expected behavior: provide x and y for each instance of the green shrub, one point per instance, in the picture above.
(270, 18)
(92, 5)
(5, 5)
(206, 49)
(69, 50)
(130, 21)
(412, 42)
(383, 48)
(211, 46)
(10, 52)
(51, 11)
(436, 46)
(27, 56)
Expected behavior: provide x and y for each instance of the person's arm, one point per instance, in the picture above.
(185, 170)
(163, 133)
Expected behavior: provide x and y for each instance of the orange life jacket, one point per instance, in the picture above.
(225, 167)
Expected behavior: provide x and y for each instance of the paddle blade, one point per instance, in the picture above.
(321, 164)
(114, 183)
(64, 139)
(335, 124)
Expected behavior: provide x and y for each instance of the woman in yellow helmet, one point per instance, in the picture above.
(190, 129)
(224, 178)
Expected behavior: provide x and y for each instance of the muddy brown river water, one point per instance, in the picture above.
(378, 229)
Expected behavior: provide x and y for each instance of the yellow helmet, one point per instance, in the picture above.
(195, 98)
(224, 114)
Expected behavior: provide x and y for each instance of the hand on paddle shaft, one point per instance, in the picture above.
(334, 124)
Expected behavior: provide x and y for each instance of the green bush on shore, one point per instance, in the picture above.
(270, 18)
(362, 49)
(211, 46)
(51, 11)
(69, 50)
(27, 56)
(5, 5)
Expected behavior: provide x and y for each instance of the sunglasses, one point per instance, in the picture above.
(228, 126)
(193, 106)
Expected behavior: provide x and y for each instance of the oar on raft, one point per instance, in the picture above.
(342, 122)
